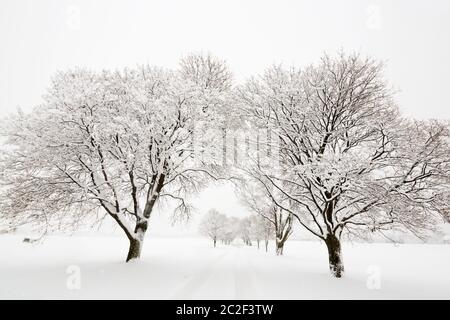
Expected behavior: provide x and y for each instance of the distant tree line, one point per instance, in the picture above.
(258, 229)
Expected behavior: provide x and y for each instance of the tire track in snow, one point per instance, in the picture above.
(194, 283)
(244, 277)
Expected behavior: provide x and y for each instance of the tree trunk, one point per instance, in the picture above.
(137, 240)
(134, 251)
(279, 247)
(267, 245)
(257, 241)
(334, 255)
(215, 240)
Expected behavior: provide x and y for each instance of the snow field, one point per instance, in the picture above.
(190, 268)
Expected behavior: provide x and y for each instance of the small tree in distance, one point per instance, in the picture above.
(269, 220)
(268, 231)
(231, 230)
(213, 225)
(256, 229)
(245, 230)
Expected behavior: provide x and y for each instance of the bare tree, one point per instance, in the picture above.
(213, 225)
(348, 162)
(111, 143)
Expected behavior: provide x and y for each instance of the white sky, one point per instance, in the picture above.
(39, 37)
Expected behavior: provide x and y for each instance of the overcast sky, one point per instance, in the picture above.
(39, 37)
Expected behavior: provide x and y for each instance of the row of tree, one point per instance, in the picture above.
(339, 157)
(258, 228)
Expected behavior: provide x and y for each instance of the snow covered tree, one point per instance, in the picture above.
(111, 143)
(268, 232)
(213, 225)
(270, 220)
(256, 229)
(231, 230)
(245, 231)
(207, 71)
(261, 229)
(348, 163)
(282, 223)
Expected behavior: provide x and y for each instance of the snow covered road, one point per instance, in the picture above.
(93, 268)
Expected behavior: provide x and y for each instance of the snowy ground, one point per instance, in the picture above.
(190, 269)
